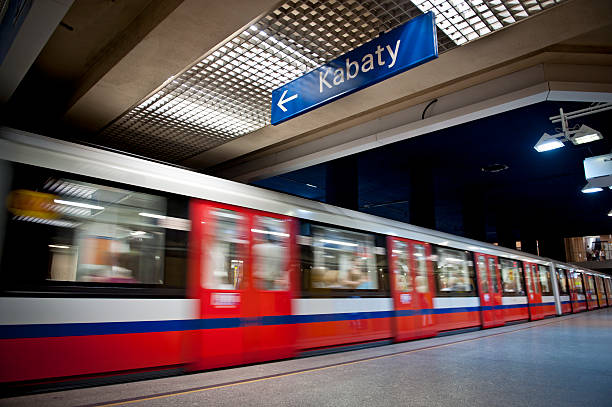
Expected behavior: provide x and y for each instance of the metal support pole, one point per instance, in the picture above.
(555, 286)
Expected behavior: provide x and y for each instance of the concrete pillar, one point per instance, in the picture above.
(422, 200)
(555, 286)
(553, 247)
(474, 211)
(528, 242)
(504, 227)
(342, 183)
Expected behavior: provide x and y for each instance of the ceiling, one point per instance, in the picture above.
(225, 93)
(539, 193)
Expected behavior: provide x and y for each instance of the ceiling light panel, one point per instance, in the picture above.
(227, 93)
(466, 20)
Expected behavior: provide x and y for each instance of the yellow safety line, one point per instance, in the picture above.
(320, 368)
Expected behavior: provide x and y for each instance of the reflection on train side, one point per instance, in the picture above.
(75, 231)
(513, 283)
(343, 259)
(454, 271)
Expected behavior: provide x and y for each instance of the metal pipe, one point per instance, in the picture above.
(582, 112)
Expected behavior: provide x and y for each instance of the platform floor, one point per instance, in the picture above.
(564, 361)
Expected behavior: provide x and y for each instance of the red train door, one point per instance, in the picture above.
(243, 318)
(272, 267)
(411, 285)
(591, 294)
(490, 290)
(564, 291)
(608, 285)
(577, 292)
(571, 289)
(534, 293)
(601, 293)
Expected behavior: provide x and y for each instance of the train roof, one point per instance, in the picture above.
(32, 149)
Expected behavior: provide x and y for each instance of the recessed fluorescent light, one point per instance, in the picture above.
(229, 215)
(311, 186)
(591, 190)
(610, 213)
(59, 246)
(138, 233)
(152, 215)
(268, 232)
(78, 204)
(338, 242)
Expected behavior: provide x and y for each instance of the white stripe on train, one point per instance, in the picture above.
(22, 311)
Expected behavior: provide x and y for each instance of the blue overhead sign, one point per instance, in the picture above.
(400, 49)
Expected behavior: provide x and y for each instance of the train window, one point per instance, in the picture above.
(590, 284)
(493, 272)
(587, 283)
(482, 274)
(343, 260)
(512, 278)
(545, 280)
(609, 287)
(562, 277)
(528, 278)
(65, 232)
(599, 283)
(454, 273)
(577, 277)
(403, 279)
(224, 250)
(420, 258)
(534, 277)
(271, 253)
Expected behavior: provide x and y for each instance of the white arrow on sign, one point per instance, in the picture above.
(282, 101)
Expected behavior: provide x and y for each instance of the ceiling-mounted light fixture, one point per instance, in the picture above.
(582, 135)
(610, 213)
(548, 142)
(78, 204)
(598, 173)
(592, 186)
(589, 190)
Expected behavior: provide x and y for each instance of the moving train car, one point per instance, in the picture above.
(113, 264)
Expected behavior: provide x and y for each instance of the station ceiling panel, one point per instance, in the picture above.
(227, 93)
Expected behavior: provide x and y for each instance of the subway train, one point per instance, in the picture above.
(114, 265)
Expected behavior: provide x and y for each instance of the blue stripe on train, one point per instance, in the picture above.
(115, 328)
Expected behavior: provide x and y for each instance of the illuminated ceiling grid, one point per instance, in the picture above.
(227, 94)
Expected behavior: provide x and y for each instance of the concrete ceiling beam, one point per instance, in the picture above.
(39, 24)
(193, 29)
(512, 91)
